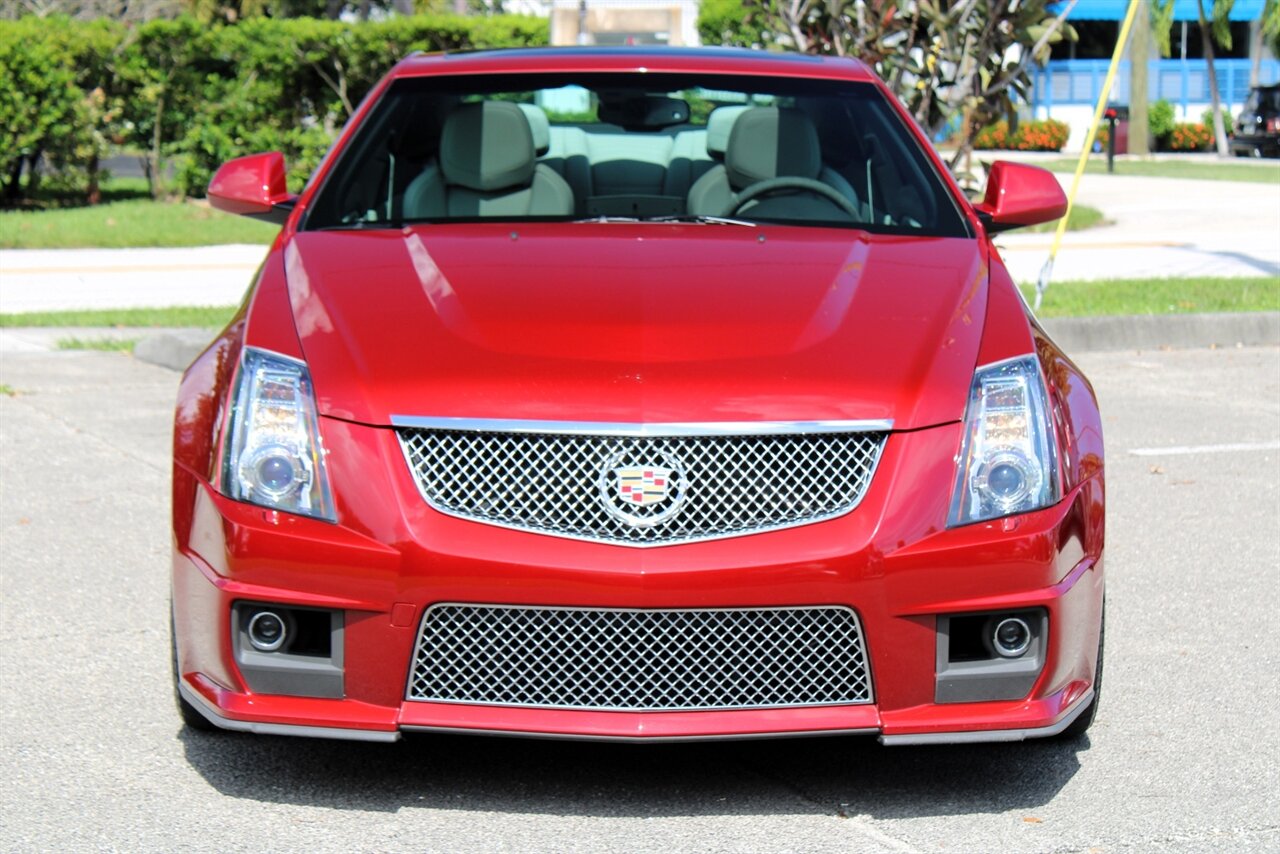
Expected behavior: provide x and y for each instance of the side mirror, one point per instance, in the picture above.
(1018, 195)
(253, 186)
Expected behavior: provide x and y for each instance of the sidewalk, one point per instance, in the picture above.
(1162, 227)
(41, 339)
(56, 279)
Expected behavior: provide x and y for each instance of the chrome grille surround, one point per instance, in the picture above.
(640, 660)
(557, 477)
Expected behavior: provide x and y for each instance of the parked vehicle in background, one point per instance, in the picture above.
(637, 394)
(1258, 125)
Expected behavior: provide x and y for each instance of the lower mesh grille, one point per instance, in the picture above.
(640, 660)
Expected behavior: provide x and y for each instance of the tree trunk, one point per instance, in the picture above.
(1255, 50)
(333, 8)
(155, 170)
(962, 161)
(793, 15)
(15, 181)
(94, 194)
(1139, 48)
(896, 79)
(33, 173)
(1206, 37)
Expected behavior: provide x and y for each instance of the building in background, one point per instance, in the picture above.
(1067, 88)
(615, 22)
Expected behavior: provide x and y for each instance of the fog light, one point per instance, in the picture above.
(267, 631)
(1011, 637)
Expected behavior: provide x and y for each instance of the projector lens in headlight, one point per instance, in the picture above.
(274, 471)
(274, 456)
(1008, 460)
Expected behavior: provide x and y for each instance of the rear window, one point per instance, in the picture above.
(1264, 99)
(636, 147)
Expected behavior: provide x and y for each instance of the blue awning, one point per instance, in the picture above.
(1183, 10)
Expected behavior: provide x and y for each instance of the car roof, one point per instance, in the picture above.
(701, 60)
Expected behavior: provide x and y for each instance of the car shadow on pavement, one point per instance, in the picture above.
(1263, 266)
(834, 776)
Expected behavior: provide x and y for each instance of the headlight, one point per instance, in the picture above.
(274, 457)
(1009, 459)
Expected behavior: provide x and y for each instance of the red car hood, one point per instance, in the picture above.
(638, 323)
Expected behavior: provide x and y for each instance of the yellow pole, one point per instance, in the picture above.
(1103, 96)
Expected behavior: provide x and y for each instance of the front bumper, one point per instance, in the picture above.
(392, 557)
(1257, 144)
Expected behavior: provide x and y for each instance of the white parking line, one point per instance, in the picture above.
(1178, 450)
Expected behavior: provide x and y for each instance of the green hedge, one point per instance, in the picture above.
(54, 98)
(193, 95)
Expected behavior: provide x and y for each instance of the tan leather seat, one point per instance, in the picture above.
(766, 143)
(487, 166)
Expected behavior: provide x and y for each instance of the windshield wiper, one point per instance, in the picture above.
(359, 225)
(604, 218)
(701, 218)
(696, 218)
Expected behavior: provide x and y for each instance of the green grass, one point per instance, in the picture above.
(1209, 170)
(1082, 217)
(1157, 296)
(205, 316)
(127, 223)
(127, 217)
(110, 345)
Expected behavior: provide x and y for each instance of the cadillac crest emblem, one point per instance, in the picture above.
(642, 488)
(643, 485)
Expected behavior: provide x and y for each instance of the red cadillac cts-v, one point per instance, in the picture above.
(636, 394)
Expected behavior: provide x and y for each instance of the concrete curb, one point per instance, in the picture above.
(176, 349)
(1153, 332)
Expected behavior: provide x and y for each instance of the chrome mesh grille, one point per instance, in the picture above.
(566, 484)
(640, 660)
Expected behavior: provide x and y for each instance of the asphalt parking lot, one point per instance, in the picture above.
(1185, 755)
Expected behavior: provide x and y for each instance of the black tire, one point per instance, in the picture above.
(1085, 720)
(190, 714)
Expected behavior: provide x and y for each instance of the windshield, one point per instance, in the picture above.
(646, 147)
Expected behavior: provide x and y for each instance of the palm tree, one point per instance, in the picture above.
(1268, 28)
(1220, 32)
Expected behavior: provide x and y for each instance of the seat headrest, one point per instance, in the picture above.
(540, 126)
(719, 125)
(771, 142)
(487, 146)
(837, 136)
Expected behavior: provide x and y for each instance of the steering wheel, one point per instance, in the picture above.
(781, 185)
